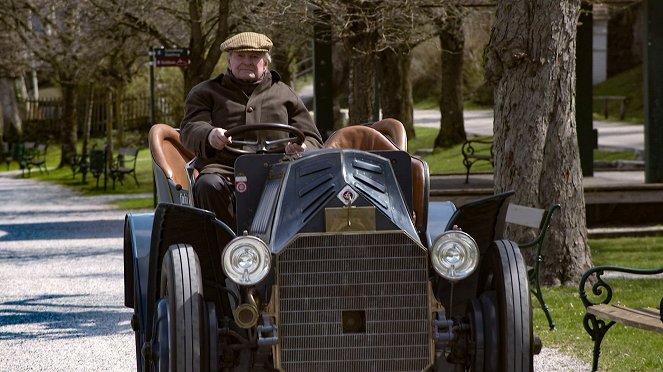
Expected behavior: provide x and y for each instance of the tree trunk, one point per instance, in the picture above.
(359, 40)
(361, 100)
(69, 135)
(9, 110)
(452, 42)
(204, 57)
(531, 61)
(396, 88)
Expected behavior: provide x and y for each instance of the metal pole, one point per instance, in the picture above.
(653, 91)
(153, 118)
(587, 135)
(323, 88)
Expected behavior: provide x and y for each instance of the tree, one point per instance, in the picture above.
(381, 32)
(199, 25)
(531, 61)
(60, 36)
(77, 47)
(452, 42)
(14, 62)
(396, 87)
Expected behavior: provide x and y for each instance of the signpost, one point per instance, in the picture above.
(180, 57)
(163, 57)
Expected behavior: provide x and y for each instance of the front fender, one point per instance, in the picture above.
(137, 237)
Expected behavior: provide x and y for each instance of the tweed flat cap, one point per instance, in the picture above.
(247, 42)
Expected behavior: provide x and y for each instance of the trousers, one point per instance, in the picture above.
(215, 193)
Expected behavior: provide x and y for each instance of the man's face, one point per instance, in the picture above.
(249, 66)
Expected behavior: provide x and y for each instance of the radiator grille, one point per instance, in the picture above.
(380, 277)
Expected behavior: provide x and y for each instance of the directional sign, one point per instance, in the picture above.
(180, 57)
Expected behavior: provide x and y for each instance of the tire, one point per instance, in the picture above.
(182, 286)
(503, 286)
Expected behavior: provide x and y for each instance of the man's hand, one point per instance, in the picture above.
(292, 147)
(217, 138)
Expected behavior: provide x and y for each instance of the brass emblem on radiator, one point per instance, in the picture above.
(350, 219)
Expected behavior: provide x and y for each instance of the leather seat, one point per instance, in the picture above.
(171, 157)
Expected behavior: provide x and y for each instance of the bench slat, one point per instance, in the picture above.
(645, 318)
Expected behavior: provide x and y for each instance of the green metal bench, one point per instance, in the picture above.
(647, 318)
(538, 219)
(36, 158)
(474, 150)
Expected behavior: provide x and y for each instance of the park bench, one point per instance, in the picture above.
(474, 150)
(35, 157)
(623, 100)
(538, 221)
(647, 318)
(94, 162)
(124, 163)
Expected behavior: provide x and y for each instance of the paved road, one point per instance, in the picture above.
(61, 284)
(480, 122)
(61, 281)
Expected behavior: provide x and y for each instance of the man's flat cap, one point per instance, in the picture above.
(247, 42)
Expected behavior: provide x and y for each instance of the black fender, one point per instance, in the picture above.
(137, 237)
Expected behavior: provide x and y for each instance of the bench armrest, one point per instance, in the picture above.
(600, 285)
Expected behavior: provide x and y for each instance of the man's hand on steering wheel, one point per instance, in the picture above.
(294, 147)
(294, 142)
(217, 138)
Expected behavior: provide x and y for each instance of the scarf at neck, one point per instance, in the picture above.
(246, 86)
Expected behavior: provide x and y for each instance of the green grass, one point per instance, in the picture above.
(628, 83)
(450, 160)
(622, 346)
(639, 252)
(64, 176)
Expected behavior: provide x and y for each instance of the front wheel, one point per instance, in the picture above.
(504, 294)
(182, 287)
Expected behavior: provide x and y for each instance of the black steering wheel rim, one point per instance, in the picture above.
(262, 144)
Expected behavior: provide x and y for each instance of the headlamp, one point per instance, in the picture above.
(246, 260)
(455, 255)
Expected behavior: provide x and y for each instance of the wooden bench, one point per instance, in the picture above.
(474, 150)
(649, 319)
(623, 100)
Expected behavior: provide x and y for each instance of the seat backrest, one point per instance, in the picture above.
(359, 137)
(393, 130)
(129, 154)
(41, 150)
(169, 154)
(534, 218)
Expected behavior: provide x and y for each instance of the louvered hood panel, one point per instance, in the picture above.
(313, 183)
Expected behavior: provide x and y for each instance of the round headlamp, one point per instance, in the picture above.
(246, 260)
(455, 255)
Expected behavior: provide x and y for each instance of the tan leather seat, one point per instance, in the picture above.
(169, 154)
(394, 130)
(367, 138)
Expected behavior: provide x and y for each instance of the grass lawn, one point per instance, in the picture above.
(623, 348)
(450, 160)
(64, 176)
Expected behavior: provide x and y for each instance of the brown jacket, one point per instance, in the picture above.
(221, 102)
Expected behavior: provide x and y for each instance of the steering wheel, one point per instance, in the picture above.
(262, 144)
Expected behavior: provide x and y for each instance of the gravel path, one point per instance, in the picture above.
(61, 284)
(61, 289)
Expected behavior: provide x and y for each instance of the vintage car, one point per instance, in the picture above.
(338, 262)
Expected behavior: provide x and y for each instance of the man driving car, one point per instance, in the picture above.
(247, 93)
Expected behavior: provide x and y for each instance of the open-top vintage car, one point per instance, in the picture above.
(338, 262)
